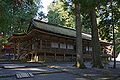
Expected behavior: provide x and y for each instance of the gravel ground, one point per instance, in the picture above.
(56, 76)
(71, 73)
(26, 70)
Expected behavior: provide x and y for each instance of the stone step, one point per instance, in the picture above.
(24, 75)
(13, 66)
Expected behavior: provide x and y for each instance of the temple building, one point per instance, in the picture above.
(48, 42)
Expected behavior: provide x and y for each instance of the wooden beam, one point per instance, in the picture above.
(44, 56)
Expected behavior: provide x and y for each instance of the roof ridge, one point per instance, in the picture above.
(58, 26)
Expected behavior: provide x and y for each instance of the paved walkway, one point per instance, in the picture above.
(56, 76)
(92, 73)
(58, 71)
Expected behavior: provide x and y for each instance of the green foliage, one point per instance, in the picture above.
(15, 15)
(61, 12)
(60, 15)
(86, 23)
(3, 40)
(105, 24)
(103, 9)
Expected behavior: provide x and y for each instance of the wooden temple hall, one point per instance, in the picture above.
(48, 42)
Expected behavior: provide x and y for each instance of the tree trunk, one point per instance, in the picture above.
(79, 52)
(95, 41)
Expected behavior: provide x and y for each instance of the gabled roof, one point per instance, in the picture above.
(58, 29)
(52, 28)
(61, 30)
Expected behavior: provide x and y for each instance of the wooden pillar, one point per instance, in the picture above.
(40, 44)
(32, 57)
(88, 47)
(33, 44)
(64, 57)
(36, 57)
(44, 56)
(18, 47)
(30, 44)
(14, 50)
(72, 57)
(55, 57)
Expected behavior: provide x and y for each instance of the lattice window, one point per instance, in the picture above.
(87, 48)
(69, 46)
(54, 45)
(63, 45)
(90, 48)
